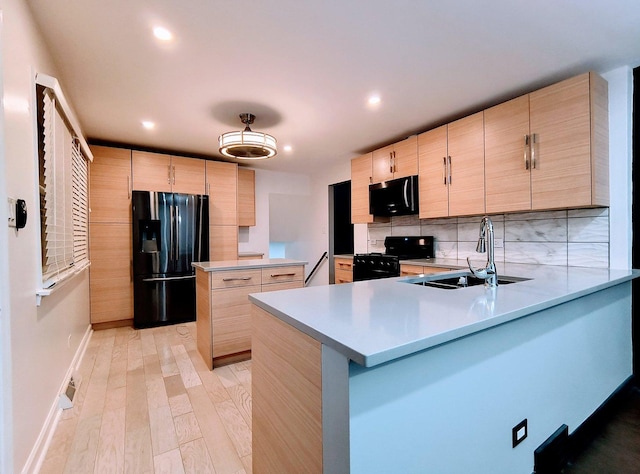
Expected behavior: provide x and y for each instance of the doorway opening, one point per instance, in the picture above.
(635, 242)
(340, 226)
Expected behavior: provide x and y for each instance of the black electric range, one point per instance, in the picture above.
(373, 266)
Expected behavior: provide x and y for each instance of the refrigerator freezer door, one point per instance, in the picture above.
(164, 300)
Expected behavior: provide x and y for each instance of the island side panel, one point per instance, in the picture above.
(203, 317)
(452, 408)
(287, 397)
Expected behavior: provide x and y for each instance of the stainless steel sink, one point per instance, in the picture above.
(458, 280)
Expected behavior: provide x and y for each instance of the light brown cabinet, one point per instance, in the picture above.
(166, 173)
(246, 197)
(361, 172)
(549, 149)
(110, 185)
(343, 272)
(223, 321)
(451, 169)
(111, 286)
(223, 242)
(396, 161)
(222, 187)
(415, 270)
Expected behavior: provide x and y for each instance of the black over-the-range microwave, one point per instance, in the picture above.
(397, 197)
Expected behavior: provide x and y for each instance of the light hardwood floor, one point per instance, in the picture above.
(147, 403)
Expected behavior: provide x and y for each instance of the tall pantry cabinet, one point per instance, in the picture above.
(111, 284)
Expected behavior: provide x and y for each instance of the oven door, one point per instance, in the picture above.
(374, 267)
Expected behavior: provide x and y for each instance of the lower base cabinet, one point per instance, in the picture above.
(223, 321)
(415, 270)
(343, 270)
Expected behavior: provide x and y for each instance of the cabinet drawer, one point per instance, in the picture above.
(235, 278)
(429, 270)
(344, 264)
(285, 285)
(280, 274)
(343, 276)
(411, 270)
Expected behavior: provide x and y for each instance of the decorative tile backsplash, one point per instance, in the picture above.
(577, 237)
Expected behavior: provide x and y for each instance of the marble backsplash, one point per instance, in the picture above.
(577, 237)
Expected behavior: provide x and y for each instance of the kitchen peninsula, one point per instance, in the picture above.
(389, 376)
(223, 310)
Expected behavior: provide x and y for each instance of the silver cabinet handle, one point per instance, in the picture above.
(390, 162)
(237, 279)
(533, 150)
(444, 170)
(128, 187)
(450, 171)
(173, 169)
(275, 275)
(526, 155)
(406, 195)
(168, 174)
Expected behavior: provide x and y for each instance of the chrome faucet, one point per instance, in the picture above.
(489, 273)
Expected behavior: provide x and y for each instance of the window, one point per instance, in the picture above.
(63, 171)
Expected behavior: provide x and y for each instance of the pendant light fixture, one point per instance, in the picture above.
(247, 144)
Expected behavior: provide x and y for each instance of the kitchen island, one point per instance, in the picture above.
(388, 376)
(223, 310)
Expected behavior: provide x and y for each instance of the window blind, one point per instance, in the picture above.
(65, 196)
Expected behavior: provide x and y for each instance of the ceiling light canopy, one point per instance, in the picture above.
(247, 144)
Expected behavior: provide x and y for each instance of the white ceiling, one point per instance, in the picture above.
(306, 69)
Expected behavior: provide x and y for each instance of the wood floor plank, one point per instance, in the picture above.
(84, 449)
(174, 386)
(242, 399)
(221, 449)
(163, 432)
(169, 462)
(227, 376)
(236, 427)
(138, 453)
(110, 455)
(187, 428)
(195, 457)
(247, 462)
(148, 343)
(188, 372)
(180, 404)
(60, 447)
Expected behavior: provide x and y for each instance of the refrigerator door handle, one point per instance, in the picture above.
(171, 234)
(177, 232)
(188, 277)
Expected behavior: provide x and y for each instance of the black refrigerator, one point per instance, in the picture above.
(170, 230)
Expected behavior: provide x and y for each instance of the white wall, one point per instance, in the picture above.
(43, 340)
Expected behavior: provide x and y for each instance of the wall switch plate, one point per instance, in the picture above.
(519, 433)
(12, 212)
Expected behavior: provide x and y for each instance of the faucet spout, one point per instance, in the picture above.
(486, 240)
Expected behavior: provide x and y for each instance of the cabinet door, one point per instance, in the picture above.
(410, 270)
(187, 175)
(111, 287)
(151, 171)
(222, 187)
(382, 164)
(231, 319)
(360, 180)
(110, 185)
(405, 158)
(223, 242)
(507, 161)
(561, 127)
(433, 188)
(343, 270)
(246, 197)
(466, 167)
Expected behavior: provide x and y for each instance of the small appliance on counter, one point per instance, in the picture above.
(373, 266)
(170, 231)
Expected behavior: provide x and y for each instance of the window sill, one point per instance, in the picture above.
(42, 292)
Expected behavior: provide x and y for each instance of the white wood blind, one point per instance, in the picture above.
(65, 213)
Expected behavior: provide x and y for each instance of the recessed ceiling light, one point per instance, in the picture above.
(148, 124)
(287, 148)
(374, 100)
(162, 33)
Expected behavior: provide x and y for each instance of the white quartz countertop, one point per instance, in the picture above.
(376, 321)
(225, 265)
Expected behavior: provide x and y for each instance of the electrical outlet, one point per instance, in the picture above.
(519, 433)
(498, 243)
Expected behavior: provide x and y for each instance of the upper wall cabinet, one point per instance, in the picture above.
(451, 169)
(549, 149)
(246, 197)
(361, 169)
(158, 172)
(396, 161)
(222, 188)
(110, 185)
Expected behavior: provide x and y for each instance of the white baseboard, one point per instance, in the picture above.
(40, 448)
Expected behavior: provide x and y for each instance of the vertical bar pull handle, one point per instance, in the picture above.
(390, 162)
(128, 187)
(450, 170)
(526, 154)
(173, 170)
(168, 174)
(533, 150)
(444, 170)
